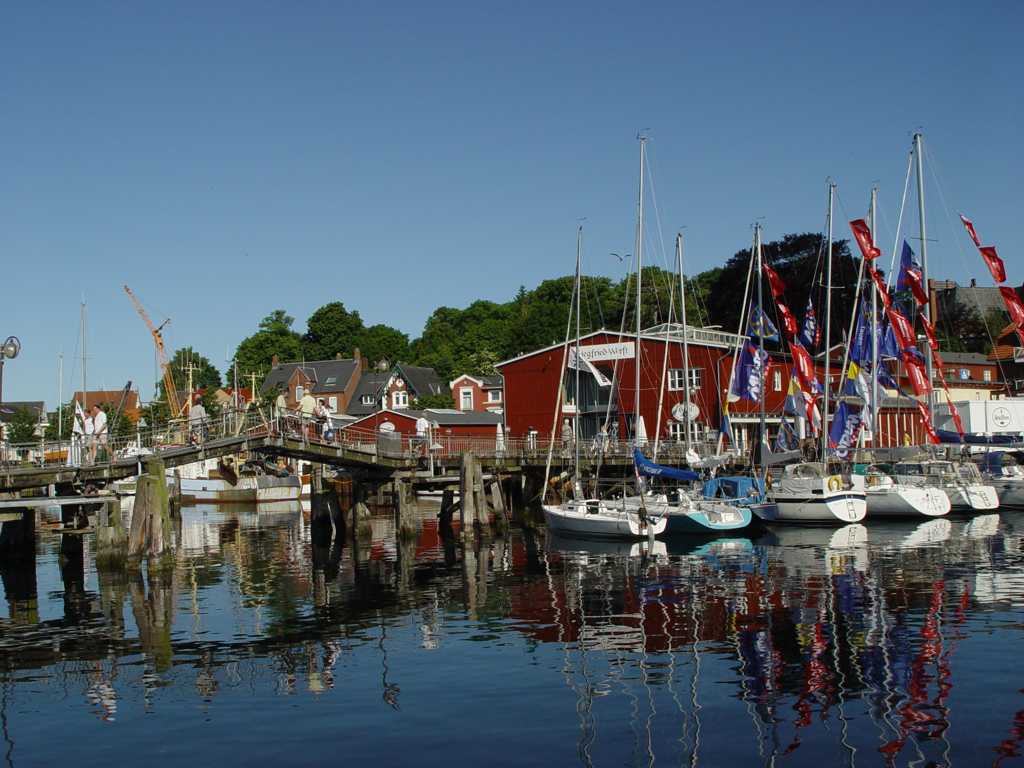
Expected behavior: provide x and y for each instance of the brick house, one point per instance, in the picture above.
(478, 393)
(396, 388)
(333, 380)
(109, 399)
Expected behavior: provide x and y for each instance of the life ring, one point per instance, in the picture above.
(835, 483)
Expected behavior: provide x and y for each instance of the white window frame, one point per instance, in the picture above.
(676, 431)
(986, 375)
(332, 403)
(463, 391)
(366, 400)
(675, 379)
(299, 392)
(400, 399)
(696, 378)
(493, 395)
(777, 380)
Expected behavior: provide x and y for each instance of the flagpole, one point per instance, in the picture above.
(686, 346)
(828, 328)
(760, 337)
(926, 310)
(875, 406)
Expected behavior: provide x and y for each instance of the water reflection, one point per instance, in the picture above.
(881, 644)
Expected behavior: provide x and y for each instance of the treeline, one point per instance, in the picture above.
(474, 338)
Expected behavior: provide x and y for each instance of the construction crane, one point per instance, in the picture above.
(161, 354)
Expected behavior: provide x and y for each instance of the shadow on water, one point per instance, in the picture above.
(868, 644)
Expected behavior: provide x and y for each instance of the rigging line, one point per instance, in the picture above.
(899, 220)
(657, 214)
(933, 167)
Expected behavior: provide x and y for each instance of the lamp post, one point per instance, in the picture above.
(9, 351)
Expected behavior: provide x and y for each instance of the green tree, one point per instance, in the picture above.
(379, 341)
(443, 400)
(21, 425)
(959, 327)
(331, 331)
(274, 337)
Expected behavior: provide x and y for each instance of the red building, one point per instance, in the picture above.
(607, 383)
(478, 393)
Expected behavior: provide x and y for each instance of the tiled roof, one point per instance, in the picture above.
(326, 375)
(108, 397)
(370, 383)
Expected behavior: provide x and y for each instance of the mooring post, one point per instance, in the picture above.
(447, 509)
(467, 478)
(111, 537)
(175, 501)
(151, 520)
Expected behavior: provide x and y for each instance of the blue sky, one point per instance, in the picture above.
(226, 159)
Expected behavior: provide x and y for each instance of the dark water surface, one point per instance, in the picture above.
(894, 644)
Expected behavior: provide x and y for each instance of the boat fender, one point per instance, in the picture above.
(835, 483)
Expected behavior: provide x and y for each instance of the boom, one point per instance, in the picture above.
(161, 354)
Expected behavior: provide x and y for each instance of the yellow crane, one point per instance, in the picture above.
(161, 354)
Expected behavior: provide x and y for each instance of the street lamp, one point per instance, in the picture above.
(9, 351)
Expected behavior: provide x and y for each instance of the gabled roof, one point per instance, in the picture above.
(421, 380)
(444, 417)
(108, 397)
(370, 383)
(326, 375)
(484, 382)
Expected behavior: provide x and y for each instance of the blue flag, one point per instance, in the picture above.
(810, 334)
(748, 378)
(885, 378)
(860, 348)
(760, 325)
(887, 344)
(908, 263)
(842, 436)
(786, 439)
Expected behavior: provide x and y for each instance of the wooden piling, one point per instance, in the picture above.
(151, 532)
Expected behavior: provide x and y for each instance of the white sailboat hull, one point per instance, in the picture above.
(906, 501)
(972, 498)
(841, 507)
(1010, 492)
(597, 520)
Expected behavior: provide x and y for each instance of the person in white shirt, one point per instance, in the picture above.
(99, 430)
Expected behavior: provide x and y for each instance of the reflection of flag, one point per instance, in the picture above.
(969, 225)
(760, 325)
(810, 335)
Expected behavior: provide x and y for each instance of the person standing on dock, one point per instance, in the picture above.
(197, 422)
(99, 429)
(307, 407)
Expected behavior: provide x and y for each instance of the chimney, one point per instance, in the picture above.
(361, 361)
(338, 356)
(274, 361)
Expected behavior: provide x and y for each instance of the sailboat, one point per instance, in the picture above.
(686, 509)
(581, 516)
(809, 492)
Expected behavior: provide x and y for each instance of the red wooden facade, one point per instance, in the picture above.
(533, 381)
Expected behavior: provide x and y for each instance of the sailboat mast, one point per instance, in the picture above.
(874, 330)
(926, 310)
(82, 324)
(60, 396)
(686, 344)
(576, 416)
(828, 326)
(760, 337)
(639, 279)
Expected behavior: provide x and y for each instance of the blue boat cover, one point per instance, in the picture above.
(949, 436)
(993, 463)
(647, 467)
(734, 487)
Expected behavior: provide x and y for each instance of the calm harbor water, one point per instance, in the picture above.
(889, 644)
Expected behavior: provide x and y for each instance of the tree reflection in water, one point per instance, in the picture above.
(856, 646)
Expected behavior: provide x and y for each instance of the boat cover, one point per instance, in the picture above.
(647, 467)
(734, 487)
(972, 438)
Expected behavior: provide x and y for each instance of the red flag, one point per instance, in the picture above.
(995, 264)
(788, 321)
(774, 281)
(926, 421)
(953, 412)
(916, 374)
(937, 362)
(862, 233)
(913, 278)
(929, 331)
(803, 365)
(901, 328)
(971, 231)
(880, 286)
(1013, 305)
